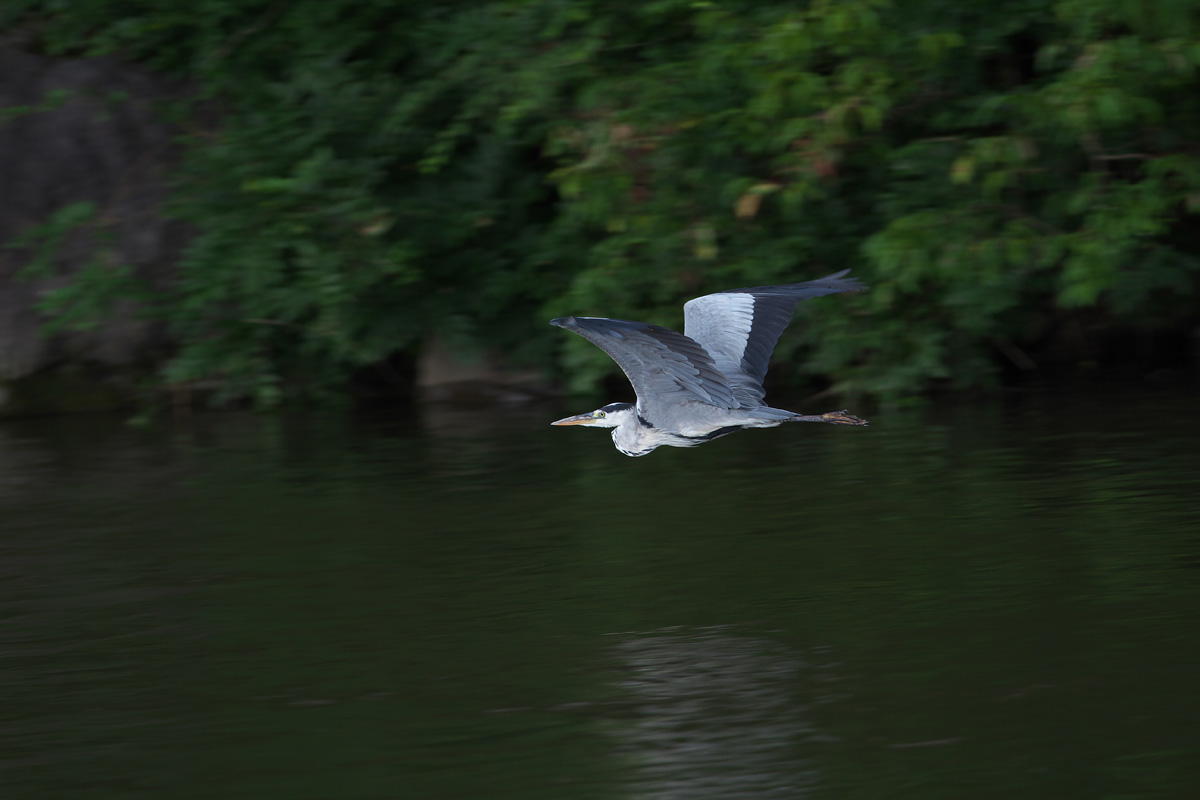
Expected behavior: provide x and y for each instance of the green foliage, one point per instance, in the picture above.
(976, 167)
(379, 172)
(51, 101)
(96, 288)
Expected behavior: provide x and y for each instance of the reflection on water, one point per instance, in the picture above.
(715, 717)
(437, 603)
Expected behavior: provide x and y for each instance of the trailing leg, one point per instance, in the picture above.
(832, 417)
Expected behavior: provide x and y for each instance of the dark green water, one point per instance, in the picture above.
(983, 601)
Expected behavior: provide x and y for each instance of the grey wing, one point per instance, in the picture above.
(740, 327)
(666, 368)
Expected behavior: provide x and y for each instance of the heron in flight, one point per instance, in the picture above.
(706, 382)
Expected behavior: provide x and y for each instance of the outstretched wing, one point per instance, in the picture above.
(740, 327)
(666, 368)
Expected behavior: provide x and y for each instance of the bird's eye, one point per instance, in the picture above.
(598, 414)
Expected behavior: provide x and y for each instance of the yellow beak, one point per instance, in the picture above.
(578, 419)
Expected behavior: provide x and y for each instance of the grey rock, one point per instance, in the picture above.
(107, 144)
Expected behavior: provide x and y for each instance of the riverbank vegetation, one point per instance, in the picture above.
(1018, 181)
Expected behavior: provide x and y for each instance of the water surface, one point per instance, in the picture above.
(980, 600)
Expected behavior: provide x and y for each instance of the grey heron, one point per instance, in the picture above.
(706, 382)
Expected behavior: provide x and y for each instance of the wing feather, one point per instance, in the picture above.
(740, 328)
(666, 368)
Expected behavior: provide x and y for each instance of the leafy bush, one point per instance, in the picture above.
(383, 171)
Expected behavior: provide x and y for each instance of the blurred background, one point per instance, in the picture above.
(402, 583)
(279, 201)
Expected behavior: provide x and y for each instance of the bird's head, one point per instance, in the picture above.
(610, 416)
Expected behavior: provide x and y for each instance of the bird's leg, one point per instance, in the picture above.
(832, 417)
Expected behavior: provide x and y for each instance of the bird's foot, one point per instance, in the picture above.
(842, 418)
(833, 418)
